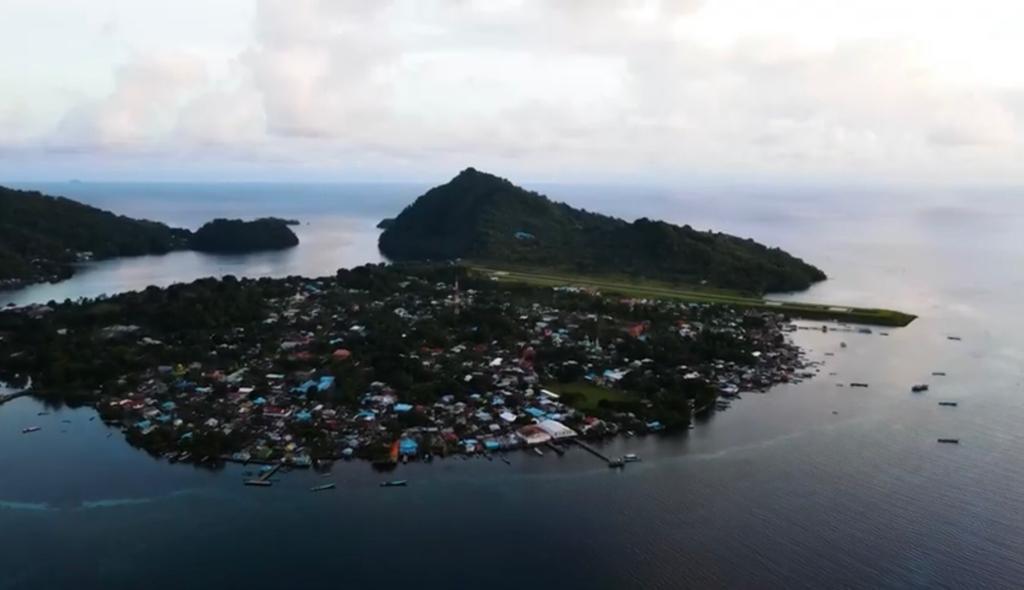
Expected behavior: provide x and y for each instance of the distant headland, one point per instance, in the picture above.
(42, 237)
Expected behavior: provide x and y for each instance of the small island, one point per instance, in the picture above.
(234, 236)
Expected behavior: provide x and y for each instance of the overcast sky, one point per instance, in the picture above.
(901, 91)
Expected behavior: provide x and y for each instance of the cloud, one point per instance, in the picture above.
(143, 104)
(556, 89)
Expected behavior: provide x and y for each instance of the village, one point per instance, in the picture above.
(392, 366)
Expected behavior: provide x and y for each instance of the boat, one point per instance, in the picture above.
(951, 404)
(842, 345)
(258, 483)
(394, 483)
(952, 441)
(30, 429)
(957, 338)
(616, 463)
(539, 452)
(505, 460)
(322, 487)
(919, 388)
(630, 458)
(939, 373)
(858, 385)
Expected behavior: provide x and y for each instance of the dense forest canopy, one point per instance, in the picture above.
(40, 236)
(235, 236)
(481, 217)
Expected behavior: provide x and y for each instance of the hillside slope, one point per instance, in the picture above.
(481, 217)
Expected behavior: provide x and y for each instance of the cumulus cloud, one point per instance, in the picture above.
(629, 88)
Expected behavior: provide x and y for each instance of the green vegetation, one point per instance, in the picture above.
(41, 236)
(655, 290)
(481, 217)
(237, 236)
(588, 397)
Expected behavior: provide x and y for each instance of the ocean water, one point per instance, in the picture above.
(811, 485)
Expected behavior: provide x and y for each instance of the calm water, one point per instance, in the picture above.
(776, 492)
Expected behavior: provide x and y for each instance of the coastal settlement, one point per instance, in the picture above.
(388, 363)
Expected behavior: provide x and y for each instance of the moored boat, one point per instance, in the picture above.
(919, 388)
(322, 487)
(952, 441)
(950, 404)
(630, 458)
(30, 429)
(395, 483)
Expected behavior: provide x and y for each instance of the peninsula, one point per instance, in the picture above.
(487, 220)
(43, 237)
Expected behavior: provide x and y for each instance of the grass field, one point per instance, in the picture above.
(641, 288)
(586, 396)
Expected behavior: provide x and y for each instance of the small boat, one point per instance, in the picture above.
(42, 414)
(395, 483)
(950, 404)
(538, 452)
(630, 433)
(630, 458)
(939, 373)
(858, 385)
(919, 388)
(956, 338)
(505, 460)
(842, 345)
(616, 463)
(261, 483)
(30, 429)
(952, 441)
(322, 487)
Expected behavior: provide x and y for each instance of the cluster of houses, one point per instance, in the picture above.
(291, 400)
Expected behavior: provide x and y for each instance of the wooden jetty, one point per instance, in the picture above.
(555, 447)
(263, 480)
(592, 451)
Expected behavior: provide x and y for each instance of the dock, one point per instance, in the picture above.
(263, 479)
(554, 447)
(592, 451)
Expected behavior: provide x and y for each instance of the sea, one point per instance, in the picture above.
(810, 485)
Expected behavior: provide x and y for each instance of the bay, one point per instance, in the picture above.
(810, 485)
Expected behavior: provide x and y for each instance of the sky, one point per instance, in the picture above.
(657, 91)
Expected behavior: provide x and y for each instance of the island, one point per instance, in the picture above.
(43, 238)
(484, 219)
(389, 363)
(234, 236)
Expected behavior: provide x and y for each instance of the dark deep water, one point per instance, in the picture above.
(775, 492)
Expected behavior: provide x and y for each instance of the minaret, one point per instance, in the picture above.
(458, 300)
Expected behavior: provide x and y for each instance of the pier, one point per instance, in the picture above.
(263, 479)
(592, 451)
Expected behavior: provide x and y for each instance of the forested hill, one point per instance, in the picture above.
(40, 236)
(484, 218)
